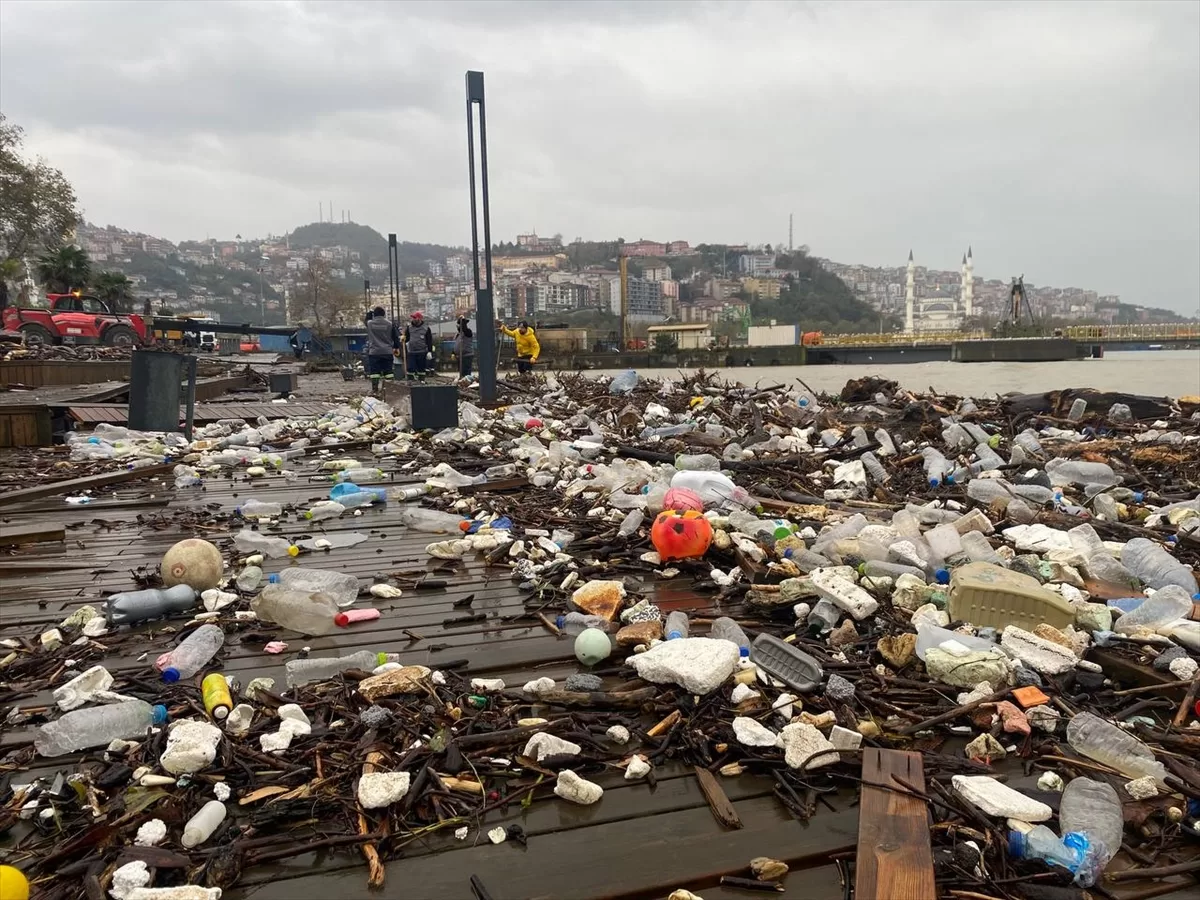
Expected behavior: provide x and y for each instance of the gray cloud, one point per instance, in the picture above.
(1062, 140)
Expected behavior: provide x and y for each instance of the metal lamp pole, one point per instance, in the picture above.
(485, 344)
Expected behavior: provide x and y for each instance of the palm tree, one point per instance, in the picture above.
(64, 269)
(114, 288)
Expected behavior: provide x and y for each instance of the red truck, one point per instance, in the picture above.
(76, 318)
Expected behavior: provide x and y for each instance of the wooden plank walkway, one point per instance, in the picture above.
(894, 860)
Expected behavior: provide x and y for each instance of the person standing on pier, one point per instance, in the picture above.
(464, 347)
(528, 348)
(418, 342)
(382, 343)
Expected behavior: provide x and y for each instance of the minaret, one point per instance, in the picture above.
(909, 296)
(968, 288)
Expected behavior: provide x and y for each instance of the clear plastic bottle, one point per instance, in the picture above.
(725, 629)
(631, 523)
(874, 468)
(361, 476)
(937, 467)
(1155, 566)
(325, 509)
(1105, 506)
(322, 668)
(979, 549)
(249, 578)
(192, 654)
(409, 493)
(823, 617)
(247, 541)
(342, 587)
(1105, 569)
(199, 828)
(677, 625)
(131, 607)
(1110, 746)
(697, 462)
(887, 447)
(988, 458)
(95, 726)
(623, 382)
(858, 436)
(714, 488)
(362, 498)
(257, 509)
(497, 473)
(1042, 843)
(1093, 808)
(1078, 408)
(1166, 606)
(877, 568)
(1065, 472)
(574, 623)
(306, 612)
(1027, 440)
(433, 521)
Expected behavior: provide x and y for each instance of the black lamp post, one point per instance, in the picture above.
(393, 277)
(485, 330)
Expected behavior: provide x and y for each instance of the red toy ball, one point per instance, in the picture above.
(682, 534)
(531, 424)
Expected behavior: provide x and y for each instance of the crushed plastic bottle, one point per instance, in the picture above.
(432, 521)
(1065, 472)
(1092, 808)
(1110, 746)
(1078, 409)
(724, 628)
(697, 462)
(677, 625)
(340, 586)
(1042, 843)
(325, 509)
(97, 726)
(257, 509)
(306, 612)
(631, 523)
(249, 578)
(132, 607)
(1168, 605)
(623, 382)
(247, 541)
(575, 623)
(192, 654)
(322, 668)
(1156, 567)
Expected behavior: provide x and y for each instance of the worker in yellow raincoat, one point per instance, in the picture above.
(528, 348)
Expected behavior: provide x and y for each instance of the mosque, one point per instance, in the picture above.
(939, 310)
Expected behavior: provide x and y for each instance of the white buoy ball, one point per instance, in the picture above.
(193, 562)
(592, 646)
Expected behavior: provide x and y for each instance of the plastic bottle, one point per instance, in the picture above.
(247, 541)
(631, 523)
(876, 568)
(1078, 408)
(322, 668)
(725, 629)
(979, 549)
(1093, 808)
(306, 612)
(343, 588)
(433, 521)
(1103, 568)
(350, 494)
(256, 509)
(95, 726)
(677, 625)
(249, 578)
(192, 654)
(1105, 506)
(1027, 440)
(326, 509)
(199, 828)
(409, 493)
(668, 430)
(1120, 412)
(697, 462)
(937, 467)
(823, 617)
(1042, 843)
(1065, 472)
(497, 473)
(988, 458)
(1110, 746)
(574, 623)
(875, 468)
(714, 488)
(887, 447)
(1166, 606)
(360, 476)
(131, 607)
(218, 701)
(1155, 566)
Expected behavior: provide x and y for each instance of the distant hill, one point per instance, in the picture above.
(370, 243)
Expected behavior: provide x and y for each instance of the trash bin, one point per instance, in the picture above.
(155, 378)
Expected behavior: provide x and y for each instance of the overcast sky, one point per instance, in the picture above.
(1060, 140)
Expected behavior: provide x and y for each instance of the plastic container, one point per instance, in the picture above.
(1078, 408)
(432, 521)
(713, 488)
(697, 462)
(989, 595)
(1155, 566)
(343, 588)
(132, 607)
(1166, 606)
(200, 827)
(1110, 746)
(631, 523)
(247, 541)
(875, 469)
(1064, 472)
(677, 625)
(218, 700)
(574, 623)
(256, 509)
(326, 509)
(725, 629)
(192, 654)
(249, 578)
(97, 726)
(306, 612)
(322, 668)
(1093, 808)
(781, 660)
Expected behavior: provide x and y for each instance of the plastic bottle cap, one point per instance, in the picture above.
(1137, 496)
(220, 712)
(170, 675)
(942, 576)
(933, 482)
(744, 652)
(159, 713)
(560, 621)
(293, 551)
(672, 635)
(273, 579)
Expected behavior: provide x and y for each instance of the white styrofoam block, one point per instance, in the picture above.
(191, 746)
(804, 746)
(698, 665)
(618, 734)
(1038, 653)
(379, 789)
(1000, 800)
(129, 877)
(578, 790)
(844, 594)
(638, 767)
(542, 745)
(754, 734)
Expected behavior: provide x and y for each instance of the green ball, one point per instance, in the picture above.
(994, 441)
(592, 646)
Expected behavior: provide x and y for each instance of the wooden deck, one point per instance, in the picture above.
(637, 842)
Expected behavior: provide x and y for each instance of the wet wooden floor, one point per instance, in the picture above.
(637, 842)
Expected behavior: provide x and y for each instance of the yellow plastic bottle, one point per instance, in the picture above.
(13, 884)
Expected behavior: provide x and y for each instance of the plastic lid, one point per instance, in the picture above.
(1016, 844)
(744, 652)
(671, 635)
(1137, 496)
(170, 674)
(341, 620)
(560, 621)
(933, 482)
(381, 658)
(787, 554)
(159, 713)
(273, 579)
(293, 550)
(220, 712)
(950, 478)
(942, 576)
